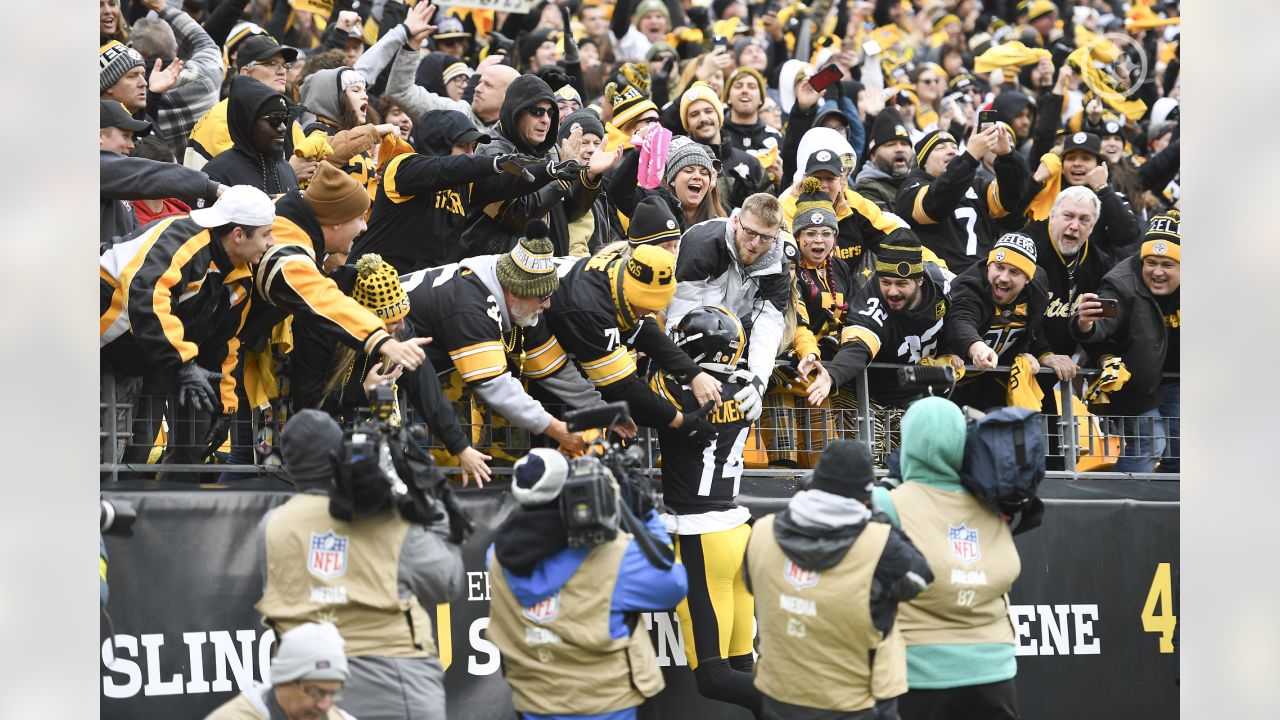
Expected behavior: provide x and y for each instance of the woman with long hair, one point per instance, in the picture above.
(688, 187)
(340, 101)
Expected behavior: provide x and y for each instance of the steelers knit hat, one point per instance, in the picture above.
(900, 255)
(378, 288)
(813, 208)
(335, 196)
(629, 103)
(699, 91)
(738, 74)
(930, 142)
(1162, 238)
(649, 278)
(1017, 250)
(538, 477)
(527, 271)
(114, 60)
(652, 223)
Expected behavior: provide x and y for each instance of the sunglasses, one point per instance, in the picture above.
(537, 111)
(318, 694)
(277, 120)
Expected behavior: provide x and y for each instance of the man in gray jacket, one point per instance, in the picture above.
(415, 100)
(122, 178)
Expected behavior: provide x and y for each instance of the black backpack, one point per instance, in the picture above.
(1004, 455)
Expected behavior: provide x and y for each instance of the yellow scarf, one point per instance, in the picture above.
(1024, 391)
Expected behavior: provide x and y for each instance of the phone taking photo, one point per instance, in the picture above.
(825, 77)
(986, 118)
(1110, 307)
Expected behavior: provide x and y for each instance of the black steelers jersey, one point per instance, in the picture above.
(454, 307)
(702, 477)
(873, 332)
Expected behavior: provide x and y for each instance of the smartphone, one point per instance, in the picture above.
(826, 76)
(1110, 307)
(986, 118)
(721, 41)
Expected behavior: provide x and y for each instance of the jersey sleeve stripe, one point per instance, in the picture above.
(853, 333)
(545, 360)
(993, 201)
(481, 361)
(611, 368)
(917, 213)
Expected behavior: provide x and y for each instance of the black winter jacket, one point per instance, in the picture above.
(243, 164)
(1065, 283)
(1137, 334)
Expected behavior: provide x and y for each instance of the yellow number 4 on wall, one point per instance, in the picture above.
(1164, 623)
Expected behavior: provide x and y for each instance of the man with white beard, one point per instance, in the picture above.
(1072, 265)
(484, 315)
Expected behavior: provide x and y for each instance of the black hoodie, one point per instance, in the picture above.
(422, 203)
(431, 72)
(497, 227)
(243, 164)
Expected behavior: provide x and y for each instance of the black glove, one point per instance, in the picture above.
(500, 44)
(571, 45)
(195, 387)
(218, 433)
(517, 164)
(695, 426)
(565, 170)
(668, 66)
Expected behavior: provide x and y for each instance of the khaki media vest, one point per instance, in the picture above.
(558, 655)
(974, 562)
(816, 636)
(321, 568)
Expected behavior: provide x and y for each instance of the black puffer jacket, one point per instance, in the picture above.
(1137, 334)
(972, 317)
(497, 227)
(243, 164)
(1065, 283)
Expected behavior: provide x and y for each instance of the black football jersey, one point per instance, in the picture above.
(702, 477)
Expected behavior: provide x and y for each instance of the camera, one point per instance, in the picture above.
(381, 465)
(927, 380)
(116, 516)
(607, 490)
(589, 504)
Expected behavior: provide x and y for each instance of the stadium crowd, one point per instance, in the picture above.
(722, 213)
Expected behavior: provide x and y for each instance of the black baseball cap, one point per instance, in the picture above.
(114, 114)
(824, 160)
(1086, 141)
(449, 124)
(260, 47)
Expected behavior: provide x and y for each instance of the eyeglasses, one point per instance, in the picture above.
(277, 120)
(537, 111)
(815, 234)
(320, 694)
(546, 297)
(756, 235)
(280, 66)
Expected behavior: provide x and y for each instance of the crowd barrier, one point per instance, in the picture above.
(1095, 608)
(788, 436)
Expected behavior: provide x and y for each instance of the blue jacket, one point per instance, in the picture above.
(640, 587)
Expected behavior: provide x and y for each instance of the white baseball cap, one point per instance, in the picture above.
(239, 204)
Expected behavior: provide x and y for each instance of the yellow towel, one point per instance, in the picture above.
(1114, 376)
(1009, 54)
(1024, 391)
(1042, 203)
(314, 147)
(1082, 60)
(615, 138)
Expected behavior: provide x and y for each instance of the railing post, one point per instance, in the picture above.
(111, 432)
(1066, 422)
(865, 425)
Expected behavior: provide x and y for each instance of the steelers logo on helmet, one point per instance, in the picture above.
(822, 156)
(1079, 138)
(999, 256)
(1160, 248)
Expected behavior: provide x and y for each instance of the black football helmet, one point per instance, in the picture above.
(712, 336)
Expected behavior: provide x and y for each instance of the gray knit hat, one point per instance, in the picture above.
(308, 439)
(310, 651)
(813, 208)
(683, 152)
(114, 60)
(528, 271)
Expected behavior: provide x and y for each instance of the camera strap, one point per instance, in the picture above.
(659, 554)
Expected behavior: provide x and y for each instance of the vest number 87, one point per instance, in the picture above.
(965, 598)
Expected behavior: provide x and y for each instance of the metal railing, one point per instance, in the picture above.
(783, 443)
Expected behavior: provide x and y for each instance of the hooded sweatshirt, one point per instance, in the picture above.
(430, 73)
(244, 164)
(933, 440)
(496, 227)
(322, 94)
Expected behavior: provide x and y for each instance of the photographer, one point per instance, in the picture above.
(343, 549)
(960, 643)
(567, 618)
